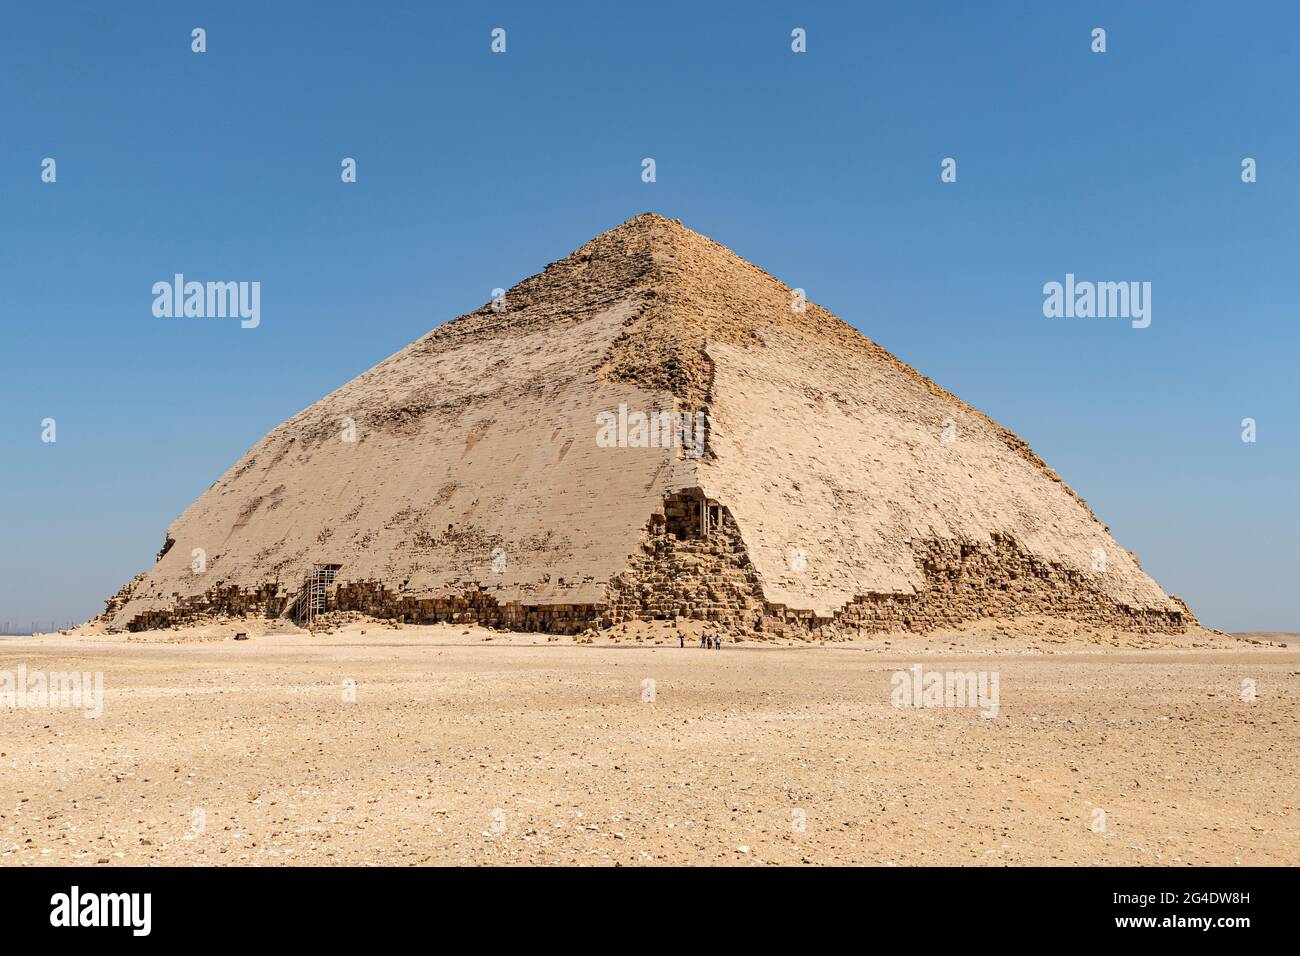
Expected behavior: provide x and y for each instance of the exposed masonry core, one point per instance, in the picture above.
(693, 565)
(371, 598)
(965, 582)
(472, 607)
(689, 569)
(118, 600)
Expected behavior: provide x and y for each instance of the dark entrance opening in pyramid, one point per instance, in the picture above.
(690, 515)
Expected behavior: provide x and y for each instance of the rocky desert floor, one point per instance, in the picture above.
(447, 745)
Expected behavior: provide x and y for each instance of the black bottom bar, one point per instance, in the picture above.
(909, 906)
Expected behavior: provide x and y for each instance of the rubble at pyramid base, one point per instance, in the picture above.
(693, 566)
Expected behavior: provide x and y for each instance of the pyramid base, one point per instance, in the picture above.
(693, 565)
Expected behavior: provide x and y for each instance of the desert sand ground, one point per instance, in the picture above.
(469, 747)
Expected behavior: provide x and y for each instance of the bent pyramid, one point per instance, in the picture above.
(475, 476)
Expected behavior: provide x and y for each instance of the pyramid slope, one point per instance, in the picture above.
(477, 442)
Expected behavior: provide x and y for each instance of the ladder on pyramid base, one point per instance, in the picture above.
(312, 602)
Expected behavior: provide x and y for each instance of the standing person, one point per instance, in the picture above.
(681, 637)
(704, 640)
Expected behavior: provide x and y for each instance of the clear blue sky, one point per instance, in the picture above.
(476, 170)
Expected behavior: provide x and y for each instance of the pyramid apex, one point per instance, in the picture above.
(652, 219)
(649, 216)
(642, 234)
